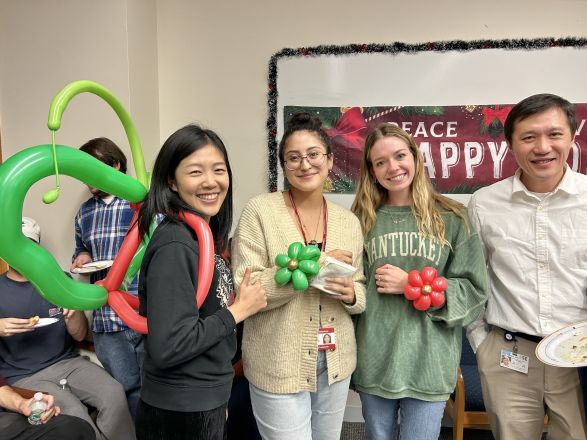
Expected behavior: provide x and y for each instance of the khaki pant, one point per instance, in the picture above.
(516, 402)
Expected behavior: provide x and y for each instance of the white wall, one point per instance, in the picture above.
(177, 61)
(214, 55)
(46, 45)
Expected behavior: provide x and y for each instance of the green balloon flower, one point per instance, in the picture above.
(299, 263)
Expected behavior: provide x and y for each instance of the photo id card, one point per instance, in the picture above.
(514, 361)
(326, 339)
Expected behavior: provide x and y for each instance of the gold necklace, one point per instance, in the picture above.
(397, 221)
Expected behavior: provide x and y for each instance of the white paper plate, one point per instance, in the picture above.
(93, 266)
(566, 347)
(45, 321)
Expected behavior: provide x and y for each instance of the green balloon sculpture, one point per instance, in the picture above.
(299, 263)
(27, 167)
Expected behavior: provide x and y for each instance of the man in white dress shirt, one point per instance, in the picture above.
(533, 226)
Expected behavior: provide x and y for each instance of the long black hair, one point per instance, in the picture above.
(163, 200)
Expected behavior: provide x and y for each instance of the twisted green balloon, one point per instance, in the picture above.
(60, 101)
(17, 175)
(56, 109)
(299, 263)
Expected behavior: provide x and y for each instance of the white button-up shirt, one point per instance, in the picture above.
(536, 250)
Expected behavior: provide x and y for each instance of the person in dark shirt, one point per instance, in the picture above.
(38, 356)
(14, 425)
(187, 369)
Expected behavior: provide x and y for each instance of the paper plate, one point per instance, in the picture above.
(45, 321)
(566, 347)
(93, 266)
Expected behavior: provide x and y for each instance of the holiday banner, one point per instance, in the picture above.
(463, 146)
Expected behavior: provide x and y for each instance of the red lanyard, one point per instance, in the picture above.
(324, 218)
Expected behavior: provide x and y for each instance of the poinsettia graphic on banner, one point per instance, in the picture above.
(463, 145)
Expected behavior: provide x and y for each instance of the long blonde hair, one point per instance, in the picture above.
(427, 203)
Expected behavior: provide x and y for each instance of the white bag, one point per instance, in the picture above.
(332, 268)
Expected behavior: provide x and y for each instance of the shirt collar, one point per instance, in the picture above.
(568, 184)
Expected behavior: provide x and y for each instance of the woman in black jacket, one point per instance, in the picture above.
(187, 370)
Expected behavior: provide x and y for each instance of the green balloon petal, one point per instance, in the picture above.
(281, 260)
(294, 249)
(282, 276)
(309, 252)
(299, 280)
(309, 267)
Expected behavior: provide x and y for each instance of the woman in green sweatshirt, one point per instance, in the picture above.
(407, 359)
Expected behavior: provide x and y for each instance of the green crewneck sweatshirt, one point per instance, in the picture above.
(403, 352)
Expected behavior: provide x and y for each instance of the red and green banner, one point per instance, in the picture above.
(463, 145)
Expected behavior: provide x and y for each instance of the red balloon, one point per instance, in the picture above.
(206, 246)
(424, 288)
(422, 303)
(127, 250)
(123, 306)
(126, 305)
(428, 274)
(412, 292)
(436, 298)
(415, 279)
(439, 284)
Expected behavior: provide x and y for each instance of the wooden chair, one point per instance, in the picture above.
(465, 406)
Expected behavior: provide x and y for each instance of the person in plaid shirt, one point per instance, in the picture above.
(100, 227)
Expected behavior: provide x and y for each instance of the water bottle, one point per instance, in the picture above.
(38, 407)
(63, 384)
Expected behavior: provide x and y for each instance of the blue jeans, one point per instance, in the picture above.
(303, 415)
(121, 354)
(419, 420)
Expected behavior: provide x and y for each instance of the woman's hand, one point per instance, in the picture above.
(13, 326)
(341, 255)
(390, 279)
(344, 286)
(249, 300)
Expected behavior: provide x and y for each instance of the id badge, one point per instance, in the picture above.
(326, 339)
(514, 361)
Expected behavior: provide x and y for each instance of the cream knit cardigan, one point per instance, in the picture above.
(280, 342)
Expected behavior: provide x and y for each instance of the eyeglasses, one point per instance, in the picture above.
(314, 158)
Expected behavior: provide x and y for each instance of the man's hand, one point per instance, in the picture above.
(80, 260)
(52, 410)
(14, 326)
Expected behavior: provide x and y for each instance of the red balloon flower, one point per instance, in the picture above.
(425, 289)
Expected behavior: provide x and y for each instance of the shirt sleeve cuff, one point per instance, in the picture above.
(228, 320)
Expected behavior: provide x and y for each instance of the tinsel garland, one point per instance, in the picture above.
(392, 49)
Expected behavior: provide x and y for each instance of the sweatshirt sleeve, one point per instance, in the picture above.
(478, 330)
(177, 333)
(466, 275)
(355, 237)
(249, 249)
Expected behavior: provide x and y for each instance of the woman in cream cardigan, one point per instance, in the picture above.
(298, 386)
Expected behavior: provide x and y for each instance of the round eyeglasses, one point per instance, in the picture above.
(314, 158)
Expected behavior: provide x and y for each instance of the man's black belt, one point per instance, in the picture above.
(511, 336)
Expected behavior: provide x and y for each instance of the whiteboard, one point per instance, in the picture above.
(427, 78)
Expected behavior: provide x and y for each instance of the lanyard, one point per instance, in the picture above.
(324, 218)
